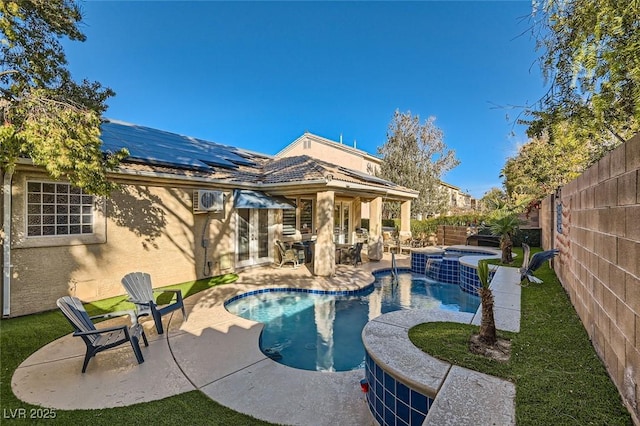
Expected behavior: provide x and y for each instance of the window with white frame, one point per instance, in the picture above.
(306, 216)
(55, 209)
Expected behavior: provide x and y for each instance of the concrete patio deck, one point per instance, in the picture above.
(215, 352)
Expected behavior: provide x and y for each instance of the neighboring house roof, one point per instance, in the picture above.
(331, 144)
(155, 152)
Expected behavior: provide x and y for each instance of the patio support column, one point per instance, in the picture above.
(324, 263)
(375, 217)
(357, 213)
(405, 216)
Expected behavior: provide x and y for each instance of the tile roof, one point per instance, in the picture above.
(168, 154)
(293, 169)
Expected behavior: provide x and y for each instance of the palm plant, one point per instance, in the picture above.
(505, 226)
(487, 324)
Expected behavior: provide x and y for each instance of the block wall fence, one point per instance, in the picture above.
(594, 221)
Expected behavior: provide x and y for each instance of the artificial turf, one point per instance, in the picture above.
(558, 376)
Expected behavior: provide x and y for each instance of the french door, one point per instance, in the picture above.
(341, 216)
(252, 237)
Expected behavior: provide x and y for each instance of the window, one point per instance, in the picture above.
(55, 209)
(288, 222)
(306, 216)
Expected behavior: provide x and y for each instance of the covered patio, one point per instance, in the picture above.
(329, 200)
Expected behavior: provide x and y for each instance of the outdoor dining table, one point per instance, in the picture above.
(305, 247)
(339, 249)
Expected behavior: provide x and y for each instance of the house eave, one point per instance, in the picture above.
(305, 186)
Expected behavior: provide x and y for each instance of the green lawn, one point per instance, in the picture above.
(559, 378)
(20, 337)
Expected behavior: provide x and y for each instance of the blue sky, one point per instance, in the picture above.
(259, 74)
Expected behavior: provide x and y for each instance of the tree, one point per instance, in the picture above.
(541, 165)
(505, 224)
(493, 199)
(590, 58)
(44, 114)
(487, 334)
(416, 157)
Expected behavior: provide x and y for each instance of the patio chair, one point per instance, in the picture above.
(98, 340)
(140, 291)
(352, 255)
(526, 252)
(287, 255)
(536, 261)
(389, 243)
(404, 241)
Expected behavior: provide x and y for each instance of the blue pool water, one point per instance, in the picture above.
(323, 332)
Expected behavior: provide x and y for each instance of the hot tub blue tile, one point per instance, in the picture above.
(378, 372)
(403, 412)
(389, 382)
(379, 406)
(379, 388)
(417, 418)
(419, 402)
(402, 391)
(389, 417)
(389, 399)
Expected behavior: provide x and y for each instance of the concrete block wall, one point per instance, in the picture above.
(599, 260)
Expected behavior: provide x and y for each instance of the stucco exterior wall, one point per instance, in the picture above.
(146, 228)
(599, 260)
(330, 153)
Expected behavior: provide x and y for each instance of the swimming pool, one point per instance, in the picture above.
(319, 331)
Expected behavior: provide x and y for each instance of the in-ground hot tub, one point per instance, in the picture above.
(454, 265)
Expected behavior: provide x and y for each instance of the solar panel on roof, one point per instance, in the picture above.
(228, 153)
(145, 150)
(160, 147)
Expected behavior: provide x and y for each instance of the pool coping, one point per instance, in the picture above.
(386, 340)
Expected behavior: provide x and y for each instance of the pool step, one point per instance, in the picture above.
(468, 397)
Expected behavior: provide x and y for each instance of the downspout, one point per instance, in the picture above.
(6, 245)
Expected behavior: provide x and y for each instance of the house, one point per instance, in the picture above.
(336, 153)
(186, 209)
(349, 156)
(458, 200)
